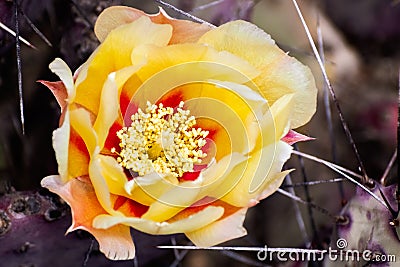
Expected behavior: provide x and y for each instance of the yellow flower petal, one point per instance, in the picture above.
(113, 175)
(271, 185)
(114, 54)
(59, 67)
(192, 223)
(61, 136)
(112, 17)
(219, 171)
(280, 73)
(204, 62)
(183, 195)
(257, 174)
(147, 189)
(82, 123)
(275, 124)
(189, 224)
(220, 231)
(173, 201)
(61, 147)
(98, 171)
(109, 102)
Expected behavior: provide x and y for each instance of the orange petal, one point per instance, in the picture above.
(112, 17)
(59, 91)
(115, 242)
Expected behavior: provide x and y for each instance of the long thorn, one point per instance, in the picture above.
(326, 163)
(19, 67)
(310, 204)
(388, 168)
(184, 13)
(178, 260)
(36, 30)
(299, 218)
(343, 172)
(346, 129)
(88, 253)
(309, 183)
(4, 27)
(308, 199)
(82, 14)
(398, 149)
(362, 186)
(208, 5)
(327, 105)
(391, 210)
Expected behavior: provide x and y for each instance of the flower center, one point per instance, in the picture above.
(161, 139)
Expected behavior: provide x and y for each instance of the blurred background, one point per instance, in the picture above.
(361, 43)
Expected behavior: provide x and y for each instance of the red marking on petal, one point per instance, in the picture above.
(130, 207)
(217, 141)
(128, 108)
(171, 99)
(78, 152)
(112, 138)
(130, 174)
(119, 202)
(190, 176)
(293, 137)
(78, 142)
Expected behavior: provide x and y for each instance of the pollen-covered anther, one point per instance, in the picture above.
(161, 139)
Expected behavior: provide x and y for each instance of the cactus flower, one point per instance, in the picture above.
(173, 126)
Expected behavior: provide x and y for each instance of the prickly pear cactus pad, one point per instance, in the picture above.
(32, 233)
(368, 228)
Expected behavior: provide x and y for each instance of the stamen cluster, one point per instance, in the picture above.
(161, 139)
